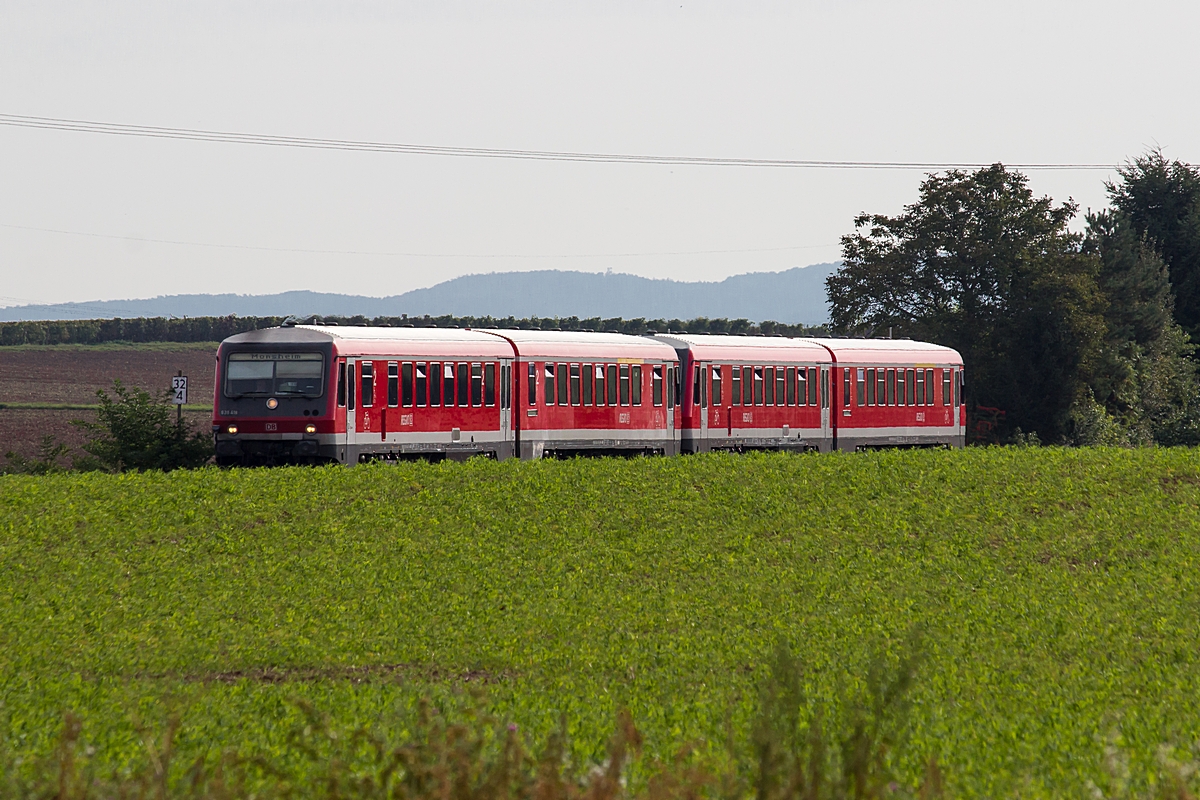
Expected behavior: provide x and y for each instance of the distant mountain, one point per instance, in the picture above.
(793, 296)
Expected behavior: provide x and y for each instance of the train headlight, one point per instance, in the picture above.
(272, 404)
(310, 428)
(231, 428)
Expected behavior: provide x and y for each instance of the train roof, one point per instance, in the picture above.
(720, 347)
(888, 351)
(585, 345)
(372, 341)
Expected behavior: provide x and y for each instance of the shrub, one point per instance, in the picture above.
(135, 431)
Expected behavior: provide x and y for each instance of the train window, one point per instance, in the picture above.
(920, 395)
(945, 387)
(860, 391)
(549, 381)
(506, 373)
(624, 384)
(748, 378)
(802, 386)
(435, 384)
(769, 386)
(589, 376)
(789, 379)
(958, 387)
(563, 383)
(737, 386)
(891, 387)
(350, 386)
(448, 384)
(422, 383)
(910, 382)
(824, 388)
(263, 374)
(341, 387)
(367, 373)
(845, 387)
(532, 393)
(716, 386)
(476, 385)
(674, 379)
(696, 385)
(635, 381)
(656, 384)
(406, 392)
(900, 396)
(600, 393)
(612, 384)
(812, 386)
(758, 386)
(780, 386)
(463, 382)
(489, 384)
(928, 387)
(870, 387)
(575, 384)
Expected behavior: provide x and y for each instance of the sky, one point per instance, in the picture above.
(93, 217)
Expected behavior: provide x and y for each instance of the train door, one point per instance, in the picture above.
(703, 377)
(674, 390)
(826, 430)
(351, 404)
(506, 402)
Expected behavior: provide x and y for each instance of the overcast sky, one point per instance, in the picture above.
(1090, 82)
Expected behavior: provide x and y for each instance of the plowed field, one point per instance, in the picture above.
(71, 374)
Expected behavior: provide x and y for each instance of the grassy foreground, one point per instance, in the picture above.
(1058, 592)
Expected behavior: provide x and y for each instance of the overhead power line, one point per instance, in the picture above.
(199, 135)
(409, 254)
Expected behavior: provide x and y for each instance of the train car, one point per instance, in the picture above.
(895, 393)
(753, 393)
(314, 393)
(582, 393)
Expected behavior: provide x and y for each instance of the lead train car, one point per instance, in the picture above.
(312, 394)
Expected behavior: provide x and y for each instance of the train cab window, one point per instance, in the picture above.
(341, 386)
(435, 383)
(845, 387)
(589, 377)
(367, 372)
(920, 395)
(476, 385)
(350, 386)
(656, 385)
(900, 397)
(600, 391)
(780, 386)
(769, 386)
(716, 386)
(463, 382)
(635, 382)
(891, 387)
(611, 382)
(945, 387)
(737, 386)
(489, 384)
(448, 384)
(928, 387)
(548, 380)
(406, 383)
(910, 381)
(860, 391)
(532, 393)
(575, 385)
(422, 383)
(812, 386)
(624, 384)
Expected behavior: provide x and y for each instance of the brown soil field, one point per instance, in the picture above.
(72, 374)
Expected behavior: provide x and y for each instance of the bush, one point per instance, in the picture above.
(135, 432)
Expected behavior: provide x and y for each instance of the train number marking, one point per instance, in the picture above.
(406, 419)
(920, 416)
(623, 418)
(747, 416)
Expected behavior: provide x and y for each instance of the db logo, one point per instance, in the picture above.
(623, 419)
(270, 426)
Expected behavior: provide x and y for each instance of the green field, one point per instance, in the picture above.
(1057, 590)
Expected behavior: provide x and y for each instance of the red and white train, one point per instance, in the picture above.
(319, 393)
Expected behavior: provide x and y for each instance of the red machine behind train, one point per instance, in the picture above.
(312, 394)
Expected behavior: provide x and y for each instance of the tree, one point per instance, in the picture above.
(981, 265)
(135, 432)
(1161, 202)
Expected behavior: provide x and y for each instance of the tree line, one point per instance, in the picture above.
(1070, 336)
(214, 329)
